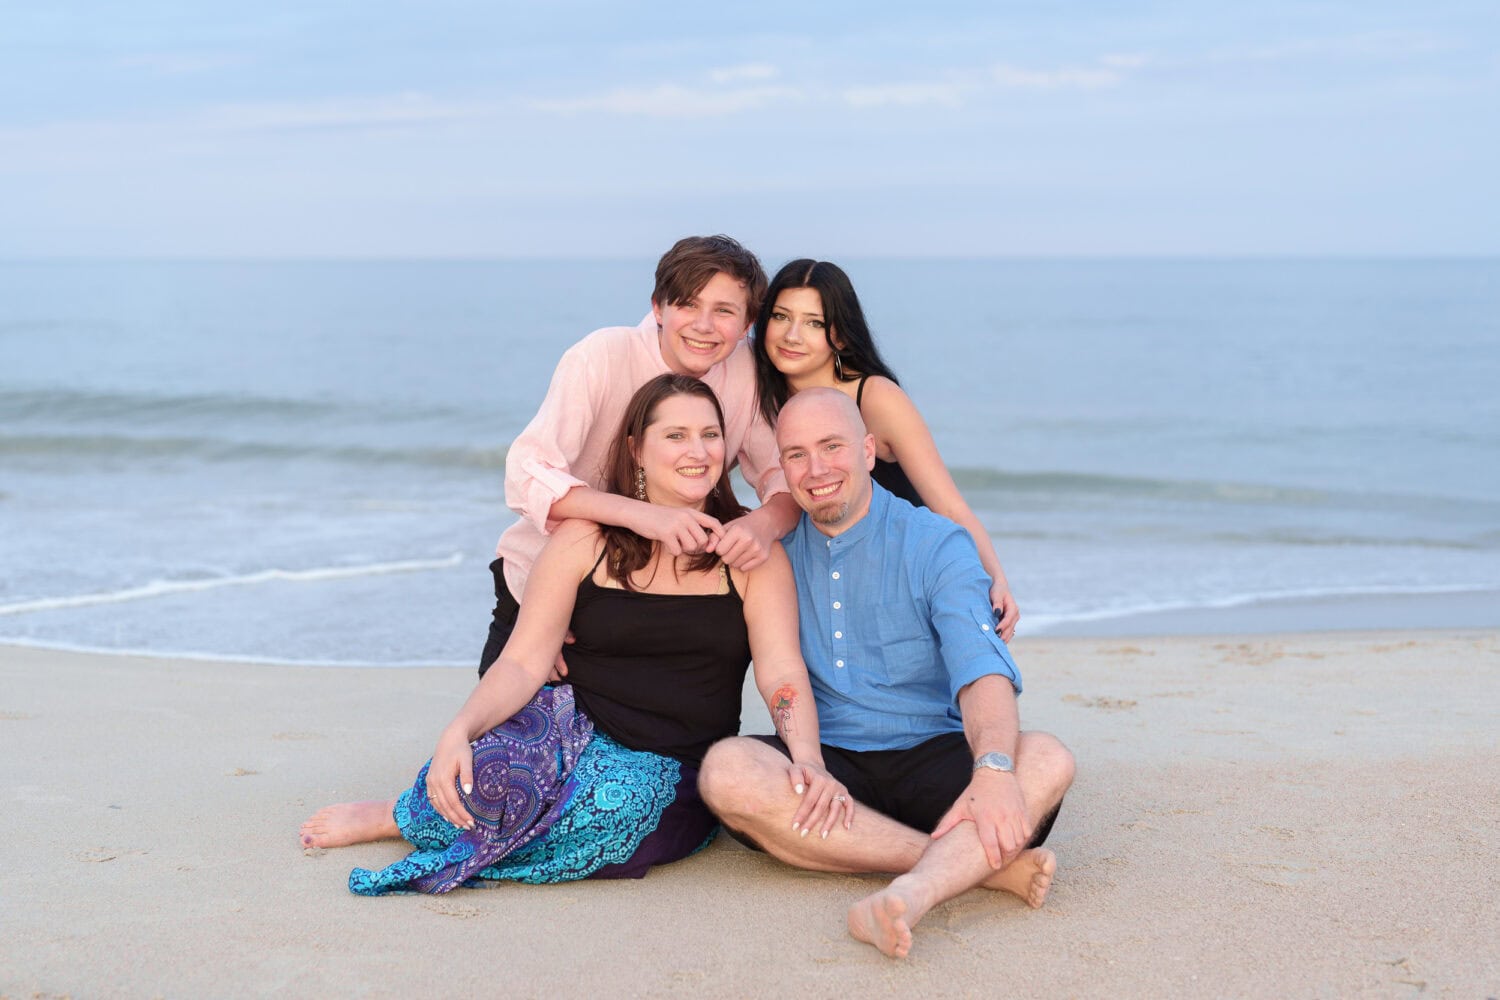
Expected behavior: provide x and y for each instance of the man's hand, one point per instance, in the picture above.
(747, 541)
(680, 530)
(1002, 601)
(559, 665)
(994, 804)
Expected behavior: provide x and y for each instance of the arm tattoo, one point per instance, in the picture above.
(781, 708)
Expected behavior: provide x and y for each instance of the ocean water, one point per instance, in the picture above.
(303, 462)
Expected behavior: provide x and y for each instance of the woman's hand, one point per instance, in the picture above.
(824, 800)
(453, 760)
(681, 530)
(1010, 615)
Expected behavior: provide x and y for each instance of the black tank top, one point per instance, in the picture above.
(889, 474)
(659, 672)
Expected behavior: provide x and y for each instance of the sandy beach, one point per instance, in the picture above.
(1270, 816)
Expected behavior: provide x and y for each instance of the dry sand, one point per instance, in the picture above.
(1278, 816)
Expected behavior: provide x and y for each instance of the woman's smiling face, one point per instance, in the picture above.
(681, 451)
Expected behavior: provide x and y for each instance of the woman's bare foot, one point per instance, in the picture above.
(350, 823)
(881, 920)
(1029, 876)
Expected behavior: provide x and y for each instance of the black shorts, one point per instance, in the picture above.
(503, 622)
(914, 787)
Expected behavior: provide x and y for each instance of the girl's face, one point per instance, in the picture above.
(682, 451)
(798, 339)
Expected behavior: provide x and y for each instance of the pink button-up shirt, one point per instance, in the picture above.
(568, 441)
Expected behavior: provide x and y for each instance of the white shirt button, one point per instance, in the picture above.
(838, 663)
(835, 574)
(984, 628)
(836, 605)
(838, 635)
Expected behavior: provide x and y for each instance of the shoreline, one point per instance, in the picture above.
(1472, 609)
(1254, 815)
(1406, 612)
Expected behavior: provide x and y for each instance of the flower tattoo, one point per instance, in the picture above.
(781, 708)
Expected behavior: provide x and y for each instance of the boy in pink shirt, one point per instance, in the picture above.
(707, 294)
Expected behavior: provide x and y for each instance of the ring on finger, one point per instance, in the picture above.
(841, 798)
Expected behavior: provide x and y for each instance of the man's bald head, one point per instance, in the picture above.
(827, 456)
(827, 406)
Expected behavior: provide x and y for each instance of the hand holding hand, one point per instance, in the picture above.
(681, 530)
(746, 542)
(994, 804)
(452, 764)
(823, 797)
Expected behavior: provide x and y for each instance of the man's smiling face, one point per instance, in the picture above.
(827, 456)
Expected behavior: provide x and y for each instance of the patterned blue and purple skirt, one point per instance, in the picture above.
(553, 801)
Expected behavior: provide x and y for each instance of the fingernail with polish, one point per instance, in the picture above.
(804, 830)
(799, 789)
(795, 825)
(468, 789)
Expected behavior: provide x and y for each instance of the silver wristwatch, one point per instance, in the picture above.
(996, 761)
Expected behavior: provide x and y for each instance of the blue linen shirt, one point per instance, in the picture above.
(895, 620)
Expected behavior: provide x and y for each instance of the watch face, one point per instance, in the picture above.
(995, 761)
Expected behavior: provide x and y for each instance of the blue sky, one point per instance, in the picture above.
(446, 129)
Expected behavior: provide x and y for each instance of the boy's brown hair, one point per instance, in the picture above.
(694, 260)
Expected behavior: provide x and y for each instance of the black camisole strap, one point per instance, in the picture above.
(859, 394)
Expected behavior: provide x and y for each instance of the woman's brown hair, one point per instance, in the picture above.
(624, 550)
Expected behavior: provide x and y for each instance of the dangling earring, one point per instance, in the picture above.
(838, 367)
(640, 484)
(714, 492)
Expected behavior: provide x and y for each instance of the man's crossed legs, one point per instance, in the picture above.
(744, 781)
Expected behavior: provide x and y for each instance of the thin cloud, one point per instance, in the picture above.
(907, 95)
(1367, 45)
(380, 112)
(748, 71)
(673, 101)
(181, 63)
(1068, 78)
(1125, 60)
(164, 132)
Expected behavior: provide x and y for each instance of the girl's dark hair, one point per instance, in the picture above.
(624, 550)
(843, 316)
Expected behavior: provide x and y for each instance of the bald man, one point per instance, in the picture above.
(916, 698)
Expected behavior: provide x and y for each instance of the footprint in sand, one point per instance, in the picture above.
(450, 909)
(1106, 704)
(99, 855)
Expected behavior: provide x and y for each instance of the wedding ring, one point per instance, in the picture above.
(841, 798)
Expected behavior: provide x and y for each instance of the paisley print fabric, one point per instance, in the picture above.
(553, 801)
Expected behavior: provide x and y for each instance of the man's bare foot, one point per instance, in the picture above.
(350, 823)
(1029, 876)
(881, 920)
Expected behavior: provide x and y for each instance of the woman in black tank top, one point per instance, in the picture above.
(597, 777)
(812, 332)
